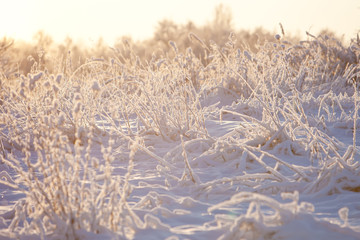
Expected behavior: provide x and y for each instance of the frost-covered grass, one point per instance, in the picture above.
(250, 146)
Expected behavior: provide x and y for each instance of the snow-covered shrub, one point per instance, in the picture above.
(49, 137)
(69, 192)
(163, 98)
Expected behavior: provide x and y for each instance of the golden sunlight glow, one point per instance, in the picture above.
(110, 19)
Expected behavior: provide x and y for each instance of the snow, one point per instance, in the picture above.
(118, 160)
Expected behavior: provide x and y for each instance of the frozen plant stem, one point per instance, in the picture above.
(355, 120)
(261, 102)
(187, 165)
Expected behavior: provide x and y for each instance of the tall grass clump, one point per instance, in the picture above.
(51, 142)
(161, 95)
(275, 93)
(54, 126)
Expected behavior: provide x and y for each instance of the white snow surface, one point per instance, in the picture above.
(232, 196)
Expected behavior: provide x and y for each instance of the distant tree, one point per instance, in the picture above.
(220, 27)
(223, 18)
(165, 31)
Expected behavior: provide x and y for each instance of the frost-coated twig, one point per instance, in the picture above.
(256, 96)
(268, 168)
(151, 154)
(251, 180)
(355, 121)
(290, 166)
(274, 136)
(252, 119)
(186, 160)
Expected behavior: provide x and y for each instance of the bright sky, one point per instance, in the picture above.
(90, 19)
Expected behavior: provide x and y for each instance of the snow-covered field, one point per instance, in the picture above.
(245, 146)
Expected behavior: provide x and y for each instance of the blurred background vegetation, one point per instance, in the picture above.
(21, 57)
